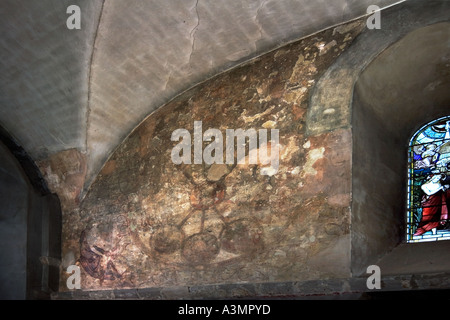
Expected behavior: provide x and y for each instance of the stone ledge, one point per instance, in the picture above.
(333, 289)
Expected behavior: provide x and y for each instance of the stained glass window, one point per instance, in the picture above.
(427, 217)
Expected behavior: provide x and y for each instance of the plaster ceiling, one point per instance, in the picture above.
(87, 89)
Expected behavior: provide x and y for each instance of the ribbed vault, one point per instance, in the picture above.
(86, 89)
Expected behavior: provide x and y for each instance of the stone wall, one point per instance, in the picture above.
(30, 233)
(342, 103)
(14, 196)
(147, 222)
(415, 89)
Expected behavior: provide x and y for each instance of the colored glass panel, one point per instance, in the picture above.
(428, 206)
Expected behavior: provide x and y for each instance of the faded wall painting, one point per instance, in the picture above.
(149, 222)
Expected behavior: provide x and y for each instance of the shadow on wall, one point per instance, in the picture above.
(30, 229)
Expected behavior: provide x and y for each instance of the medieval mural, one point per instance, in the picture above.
(149, 222)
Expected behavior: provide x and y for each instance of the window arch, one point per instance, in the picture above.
(427, 217)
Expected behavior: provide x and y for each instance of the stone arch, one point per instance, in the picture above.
(389, 83)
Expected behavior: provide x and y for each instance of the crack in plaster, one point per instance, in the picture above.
(169, 76)
(257, 20)
(194, 31)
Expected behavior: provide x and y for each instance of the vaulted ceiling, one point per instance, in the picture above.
(87, 89)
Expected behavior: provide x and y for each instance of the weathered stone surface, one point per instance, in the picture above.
(330, 289)
(148, 222)
(65, 174)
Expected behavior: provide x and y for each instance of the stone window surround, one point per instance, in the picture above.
(350, 87)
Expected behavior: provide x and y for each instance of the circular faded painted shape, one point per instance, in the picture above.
(243, 236)
(200, 248)
(166, 240)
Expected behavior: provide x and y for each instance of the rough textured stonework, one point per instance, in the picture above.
(147, 222)
(65, 173)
